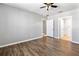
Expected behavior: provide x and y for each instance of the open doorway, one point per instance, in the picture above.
(65, 28)
(49, 24)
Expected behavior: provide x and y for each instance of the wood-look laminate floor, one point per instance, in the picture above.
(45, 46)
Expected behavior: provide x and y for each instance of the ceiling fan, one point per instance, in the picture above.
(49, 5)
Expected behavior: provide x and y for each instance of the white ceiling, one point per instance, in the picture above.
(35, 7)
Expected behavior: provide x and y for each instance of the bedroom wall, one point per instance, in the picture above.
(18, 25)
(44, 27)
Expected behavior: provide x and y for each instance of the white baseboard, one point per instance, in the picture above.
(56, 37)
(20, 42)
(28, 40)
(43, 34)
(72, 41)
(75, 42)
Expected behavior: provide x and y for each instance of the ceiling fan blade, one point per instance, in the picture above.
(54, 6)
(43, 7)
(51, 3)
(46, 3)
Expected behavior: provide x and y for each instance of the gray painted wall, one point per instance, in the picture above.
(55, 27)
(44, 26)
(18, 25)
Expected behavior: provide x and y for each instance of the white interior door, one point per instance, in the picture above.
(65, 28)
(49, 28)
